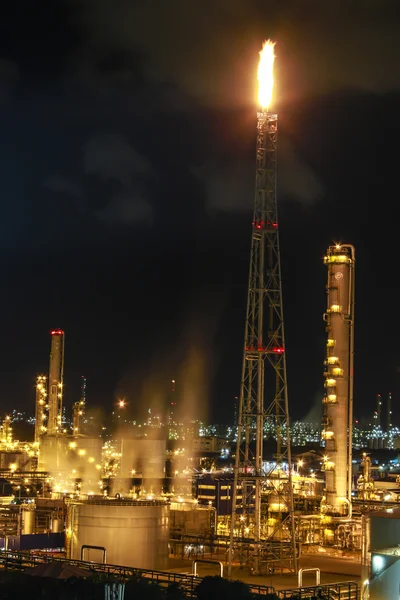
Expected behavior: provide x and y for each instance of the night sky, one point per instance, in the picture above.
(127, 166)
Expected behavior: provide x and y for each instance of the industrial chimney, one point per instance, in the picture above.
(56, 382)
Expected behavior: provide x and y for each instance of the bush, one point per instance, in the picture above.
(217, 588)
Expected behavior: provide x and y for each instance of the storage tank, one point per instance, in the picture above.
(133, 533)
(69, 459)
(56, 524)
(28, 520)
(381, 554)
(53, 453)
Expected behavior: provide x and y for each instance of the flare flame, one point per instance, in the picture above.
(266, 74)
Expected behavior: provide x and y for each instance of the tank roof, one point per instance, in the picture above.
(385, 514)
(117, 502)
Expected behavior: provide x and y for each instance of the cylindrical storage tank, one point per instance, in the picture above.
(133, 533)
(54, 453)
(28, 521)
(56, 525)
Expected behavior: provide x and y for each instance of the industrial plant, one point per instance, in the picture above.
(180, 492)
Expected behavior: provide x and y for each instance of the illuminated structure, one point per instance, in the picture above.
(389, 413)
(40, 408)
(56, 382)
(262, 503)
(171, 430)
(79, 410)
(6, 430)
(378, 412)
(338, 402)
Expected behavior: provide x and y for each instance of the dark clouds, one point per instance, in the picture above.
(172, 86)
(210, 48)
(129, 127)
(181, 56)
(108, 162)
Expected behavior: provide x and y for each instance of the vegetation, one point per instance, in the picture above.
(14, 586)
(217, 588)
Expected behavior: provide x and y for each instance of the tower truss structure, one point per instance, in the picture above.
(389, 413)
(262, 498)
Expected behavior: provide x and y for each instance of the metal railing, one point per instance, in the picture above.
(19, 561)
(347, 590)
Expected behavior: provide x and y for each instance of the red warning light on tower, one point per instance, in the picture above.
(57, 332)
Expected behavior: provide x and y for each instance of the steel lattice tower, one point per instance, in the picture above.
(262, 499)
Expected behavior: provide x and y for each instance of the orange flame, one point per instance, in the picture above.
(266, 74)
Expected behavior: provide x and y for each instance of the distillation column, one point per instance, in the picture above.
(79, 410)
(378, 412)
(56, 382)
(338, 402)
(40, 408)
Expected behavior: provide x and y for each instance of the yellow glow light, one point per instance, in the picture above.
(266, 74)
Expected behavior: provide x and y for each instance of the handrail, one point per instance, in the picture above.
(17, 560)
(346, 590)
(210, 562)
(317, 576)
(88, 547)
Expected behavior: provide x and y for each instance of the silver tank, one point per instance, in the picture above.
(27, 520)
(133, 533)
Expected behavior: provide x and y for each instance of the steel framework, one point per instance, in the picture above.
(262, 498)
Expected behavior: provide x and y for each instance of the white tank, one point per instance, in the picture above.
(56, 525)
(133, 533)
(28, 520)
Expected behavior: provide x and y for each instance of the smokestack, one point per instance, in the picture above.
(389, 413)
(56, 373)
(40, 414)
(171, 410)
(338, 402)
(377, 415)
